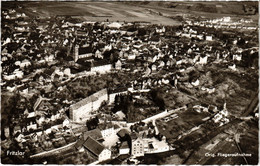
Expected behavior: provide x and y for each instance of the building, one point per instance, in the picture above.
(124, 148)
(82, 109)
(137, 149)
(118, 65)
(97, 149)
(95, 134)
(122, 133)
(107, 132)
(100, 66)
(152, 145)
(114, 92)
(82, 52)
(203, 60)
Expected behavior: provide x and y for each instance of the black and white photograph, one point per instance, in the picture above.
(129, 82)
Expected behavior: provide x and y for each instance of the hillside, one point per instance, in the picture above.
(237, 8)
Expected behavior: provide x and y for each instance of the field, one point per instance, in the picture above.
(96, 11)
(165, 13)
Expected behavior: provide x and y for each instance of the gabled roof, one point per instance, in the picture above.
(124, 145)
(93, 146)
(79, 143)
(95, 134)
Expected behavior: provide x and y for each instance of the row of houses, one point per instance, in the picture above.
(225, 23)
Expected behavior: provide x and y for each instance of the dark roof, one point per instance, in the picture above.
(93, 146)
(122, 133)
(124, 145)
(85, 50)
(133, 136)
(79, 143)
(95, 134)
(100, 62)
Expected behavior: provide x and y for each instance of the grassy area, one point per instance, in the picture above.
(175, 127)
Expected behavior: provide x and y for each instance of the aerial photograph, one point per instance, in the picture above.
(129, 82)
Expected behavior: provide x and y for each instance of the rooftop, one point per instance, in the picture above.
(89, 99)
(93, 146)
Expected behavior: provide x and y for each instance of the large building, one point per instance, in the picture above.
(82, 109)
(82, 52)
(97, 149)
(101, 66)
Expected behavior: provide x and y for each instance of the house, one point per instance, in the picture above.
(6, 132)
(147, 72)
(31, 123)
(19, 138)
(79, 143)
(124, 148)
(203, 60)
(118, 65)
(4, 58)
(100, 66)
(154, 67)
(137, 148)
(25, 63)
(98, 54)
(95, 134)
(162, 64)
(38, 102)
(209, 38)
(131, 56)
(97, 149)
(237, 57)
(40, 120)
(82, 109)
(196, 82)
(152, 145)
(170, 62)
(120, 115)
(212, 109)
(66, 122)
(108, 131)
(16, 129)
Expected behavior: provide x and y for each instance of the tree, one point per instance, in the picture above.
(158, 99)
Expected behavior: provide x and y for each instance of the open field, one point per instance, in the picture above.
(153, 12)
(97, 11)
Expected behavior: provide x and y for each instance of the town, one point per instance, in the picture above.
(116, 92)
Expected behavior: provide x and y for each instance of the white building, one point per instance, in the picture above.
(101, 69)
(108, 132)
(155, 146)
(131, 56)
(97, 149)
(113, 95)
(137, 147)
(209, 38)
(83, 108)
(203, 60)
(124, 149)
(118, 65)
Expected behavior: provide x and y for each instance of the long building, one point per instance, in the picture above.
(81, 110)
